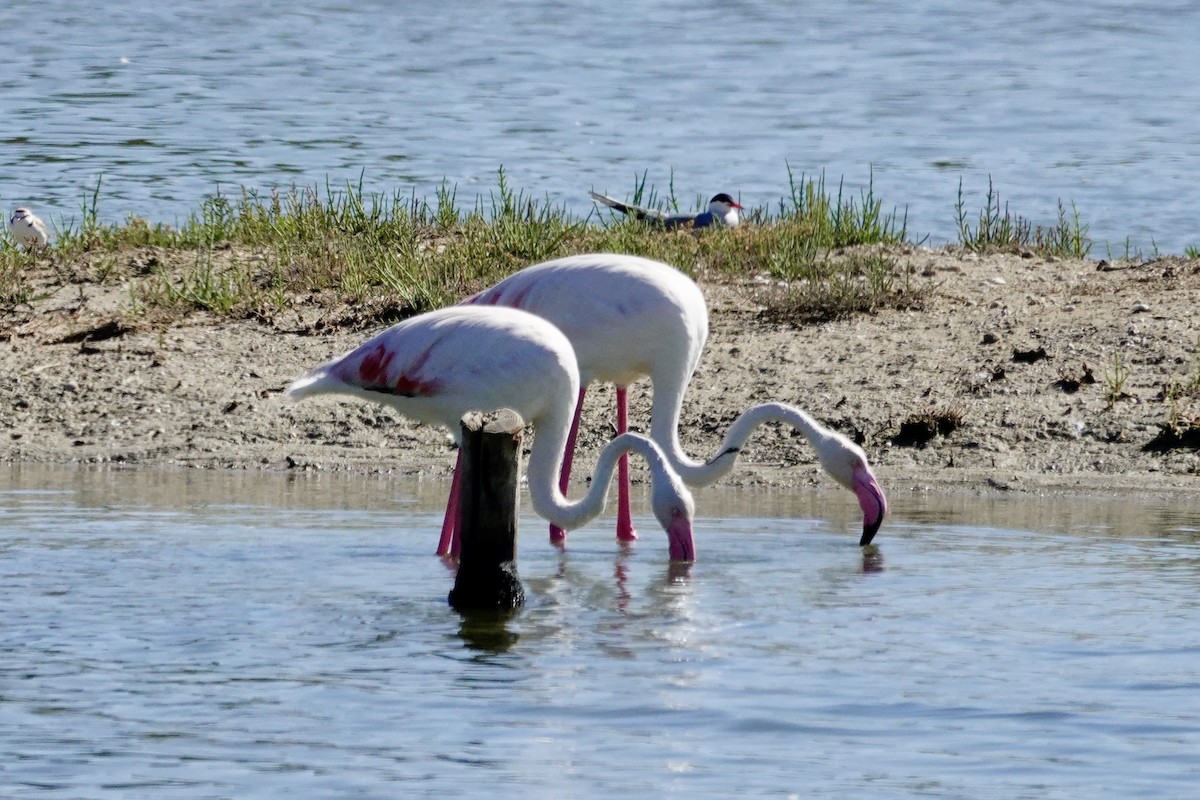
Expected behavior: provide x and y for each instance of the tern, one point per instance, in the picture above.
(722, 210)
(27, 229)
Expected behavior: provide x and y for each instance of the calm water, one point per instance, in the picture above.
(171, 635)
(1093, 102)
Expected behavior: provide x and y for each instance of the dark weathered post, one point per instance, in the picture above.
(487, 567)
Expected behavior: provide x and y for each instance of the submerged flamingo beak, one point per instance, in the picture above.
(872, 502)
(679, 536)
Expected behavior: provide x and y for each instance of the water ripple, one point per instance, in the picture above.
(1027, 94)
(245, 635)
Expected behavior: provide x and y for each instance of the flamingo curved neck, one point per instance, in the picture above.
(704, 473)
(545, 460)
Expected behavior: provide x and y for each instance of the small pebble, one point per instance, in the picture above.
(1138, 308)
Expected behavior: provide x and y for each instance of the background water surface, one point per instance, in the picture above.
(1093, 102)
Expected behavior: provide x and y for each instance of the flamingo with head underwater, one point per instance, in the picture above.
(438, 366)
(630, 317)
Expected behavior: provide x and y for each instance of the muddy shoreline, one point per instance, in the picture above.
(1057, 373)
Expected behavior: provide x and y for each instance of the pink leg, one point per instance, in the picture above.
(449, 543)
(557, 534)
(625, 531)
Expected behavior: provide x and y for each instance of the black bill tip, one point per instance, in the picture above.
(869, 532)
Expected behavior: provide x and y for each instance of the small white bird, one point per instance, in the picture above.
(722, 210)
(27, 229)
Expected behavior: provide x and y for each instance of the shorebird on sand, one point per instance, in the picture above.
(27, 229)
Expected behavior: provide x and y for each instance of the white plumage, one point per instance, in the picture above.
(27, 229)
(436, 367)
(629, 317)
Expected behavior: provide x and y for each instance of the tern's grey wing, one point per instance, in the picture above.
(637, 212)
(647, 214)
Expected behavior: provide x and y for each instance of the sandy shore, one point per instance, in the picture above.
(1023, 353)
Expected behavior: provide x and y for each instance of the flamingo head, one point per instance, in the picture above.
(674, 508)
(847, 464)
(726, 208)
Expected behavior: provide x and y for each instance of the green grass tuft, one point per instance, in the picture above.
(998, 229)
(15, 288)
(246, 253)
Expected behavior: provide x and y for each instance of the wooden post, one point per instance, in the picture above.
(487, 567)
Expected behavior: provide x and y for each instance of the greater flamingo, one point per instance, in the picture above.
(722, 210)
(630, 317)
(438, 366)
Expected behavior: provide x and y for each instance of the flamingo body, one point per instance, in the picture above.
(436, 367)
(627, 317)
(418, 367)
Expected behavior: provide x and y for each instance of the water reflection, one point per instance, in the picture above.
(268, 646)
(872, 559)
(621, 577)
(212, 491)
(489, 631)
